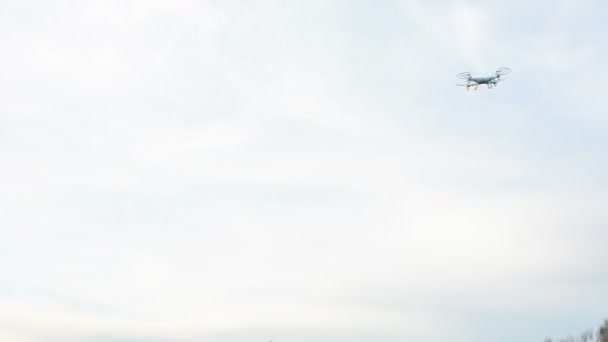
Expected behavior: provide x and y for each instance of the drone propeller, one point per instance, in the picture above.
(502, 71)
(464, 75)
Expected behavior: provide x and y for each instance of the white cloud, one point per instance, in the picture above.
(180, 169)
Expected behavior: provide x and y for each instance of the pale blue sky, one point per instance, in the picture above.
(301, 170)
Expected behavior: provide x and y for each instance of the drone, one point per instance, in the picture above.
(490, 81)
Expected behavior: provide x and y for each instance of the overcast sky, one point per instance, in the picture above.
(301, 171)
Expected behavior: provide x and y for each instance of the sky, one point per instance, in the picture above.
(301, 171)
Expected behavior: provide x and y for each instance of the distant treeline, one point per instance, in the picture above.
(598, 335)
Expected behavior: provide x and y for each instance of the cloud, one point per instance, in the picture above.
(306, 172)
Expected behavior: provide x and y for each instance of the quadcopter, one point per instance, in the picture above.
(490, 81)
